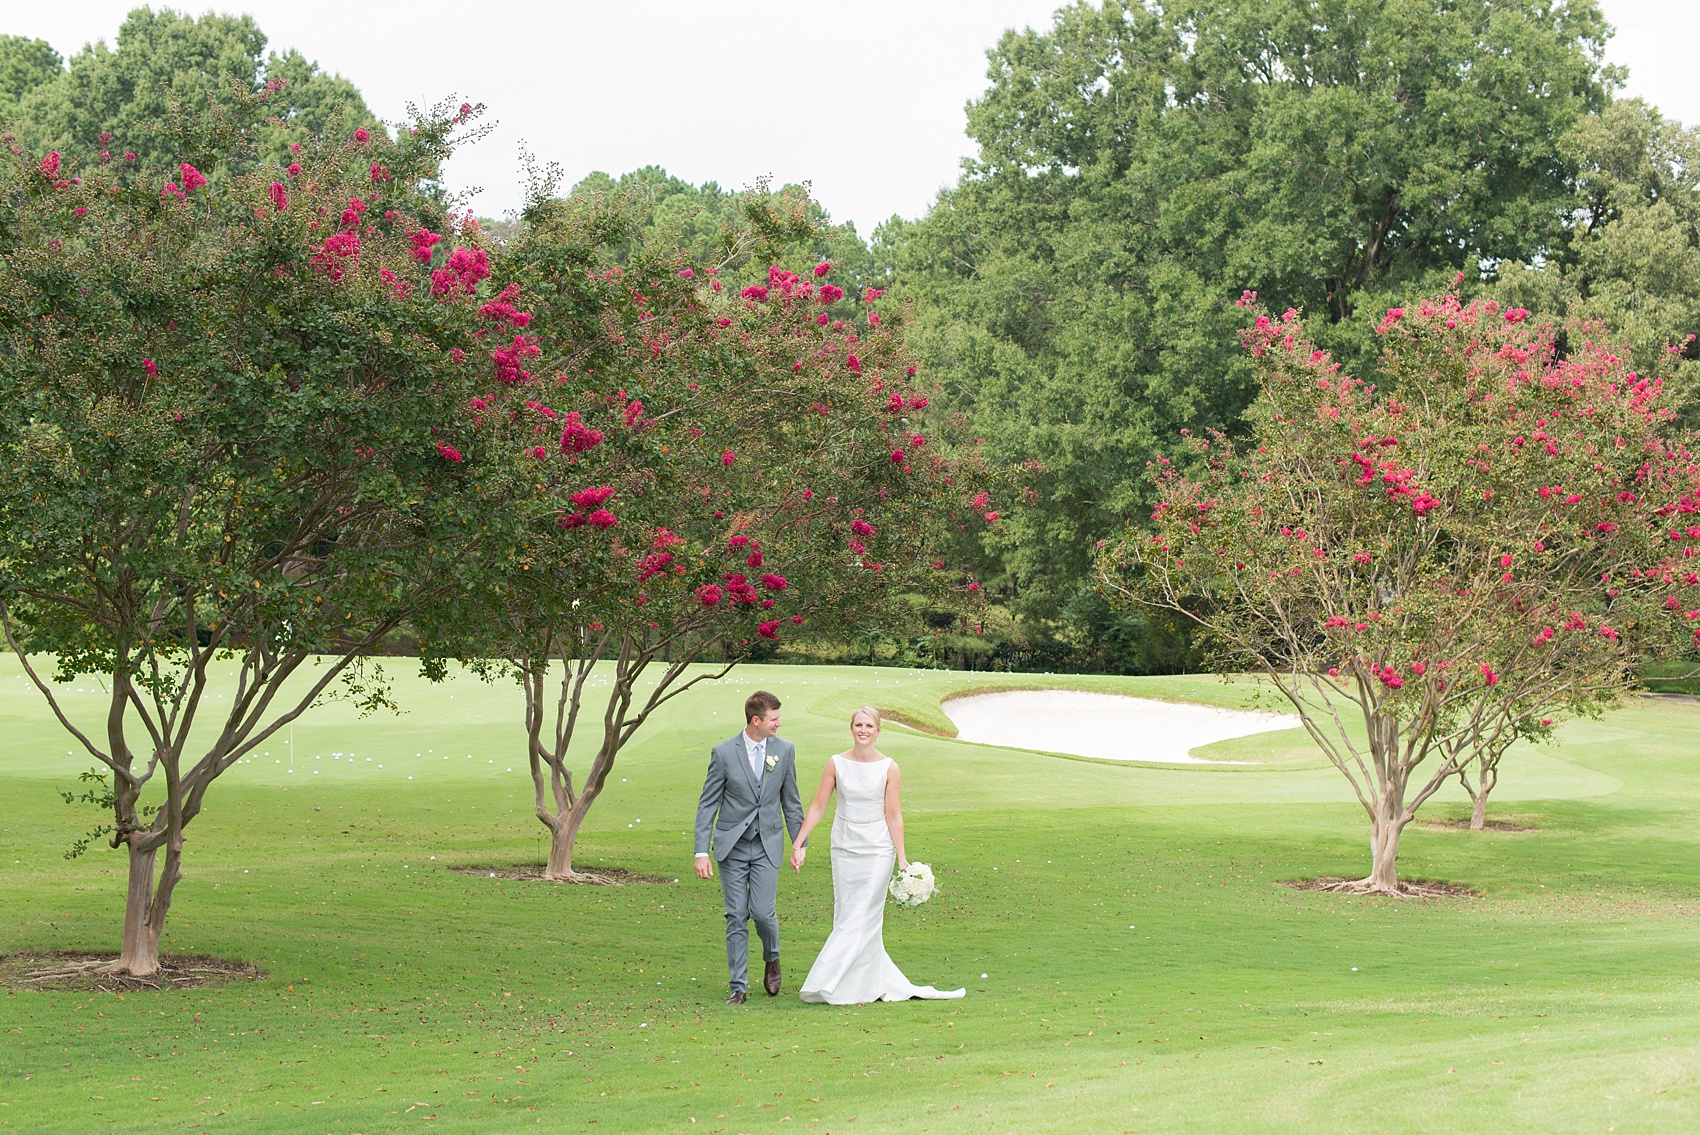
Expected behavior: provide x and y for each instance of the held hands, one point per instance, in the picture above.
(798, 854)
(705, 867)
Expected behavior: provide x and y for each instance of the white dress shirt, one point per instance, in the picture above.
(758, 754)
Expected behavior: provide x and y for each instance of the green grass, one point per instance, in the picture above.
(1145, 971)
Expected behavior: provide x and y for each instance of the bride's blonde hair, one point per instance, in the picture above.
(871, 712)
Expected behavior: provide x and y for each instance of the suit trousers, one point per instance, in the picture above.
(750, 882)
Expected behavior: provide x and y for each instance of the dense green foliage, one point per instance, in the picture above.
(118, 98)
(1140, 166)
(1139, 949)
(1632, 263)
(707, 224)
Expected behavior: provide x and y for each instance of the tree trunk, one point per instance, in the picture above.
(140, 954)
(1478, 814)
(563, 834)
(1384, 855)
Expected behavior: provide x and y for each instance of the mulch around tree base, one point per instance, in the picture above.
(1487, 825)
(80, 972)
(1408, 888)
(600, 875)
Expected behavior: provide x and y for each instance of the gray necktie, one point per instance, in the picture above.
(757, 753)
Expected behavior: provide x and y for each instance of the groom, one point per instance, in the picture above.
(751, 778)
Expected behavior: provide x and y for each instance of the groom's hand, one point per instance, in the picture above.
(705, 867)
(798, 854)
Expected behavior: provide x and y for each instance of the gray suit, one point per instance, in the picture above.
(739, 822)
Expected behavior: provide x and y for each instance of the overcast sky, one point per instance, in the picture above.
(864, 100)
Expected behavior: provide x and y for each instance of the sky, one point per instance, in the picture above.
(864, 101)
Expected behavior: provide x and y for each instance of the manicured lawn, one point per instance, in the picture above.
(1143, 968)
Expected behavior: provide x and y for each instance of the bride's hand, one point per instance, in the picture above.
(798, 854)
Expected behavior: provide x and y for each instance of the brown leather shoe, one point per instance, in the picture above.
(737, 997)
(770, 980)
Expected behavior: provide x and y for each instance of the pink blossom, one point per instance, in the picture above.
(769, 629)
(171, 190)
(129, 155)
(280, 197)
(1608, 633)
(1488, 676)
(193, 178)
(897, 457)
(577, 437)
(1419, 669)
(422, 242)
(861, 527)
(499, 310)
(654, 564)
(774, 582)
(1505, 560)
(754, 292)
(49, 166)
(360, 136)
(633, 413)
(150, 366)
(851, 362)
(339, 254)
(823, 268)
(509, 370)
(727, 458)
(602, 518)
(465, 268)
(294, 169)
(1515, 315)
(737, 541)
(973, 587)
(797, 619)
(592, 497)
(686, 273)
(709, 594)
(829, 293)
(449, 452)
(991, 518)
(755, 559)
(570, 520)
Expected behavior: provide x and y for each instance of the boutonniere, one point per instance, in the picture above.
(771, 761)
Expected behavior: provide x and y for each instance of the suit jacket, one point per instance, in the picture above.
(732, 801)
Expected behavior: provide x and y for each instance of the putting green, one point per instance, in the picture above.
(1144, 970)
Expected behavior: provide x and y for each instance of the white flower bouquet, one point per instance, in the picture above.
(913, 885)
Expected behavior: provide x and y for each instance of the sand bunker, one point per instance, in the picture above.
(1111, 726)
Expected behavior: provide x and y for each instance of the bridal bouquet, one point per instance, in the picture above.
(913, 885)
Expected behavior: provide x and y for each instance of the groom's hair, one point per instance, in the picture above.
(759, 704)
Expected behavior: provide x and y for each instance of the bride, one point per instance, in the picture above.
(867, 835)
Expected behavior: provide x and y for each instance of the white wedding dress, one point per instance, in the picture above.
(853, 966)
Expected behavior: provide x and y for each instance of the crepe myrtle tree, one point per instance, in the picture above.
(699, 471)
(1492, 538)
(218, 403)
